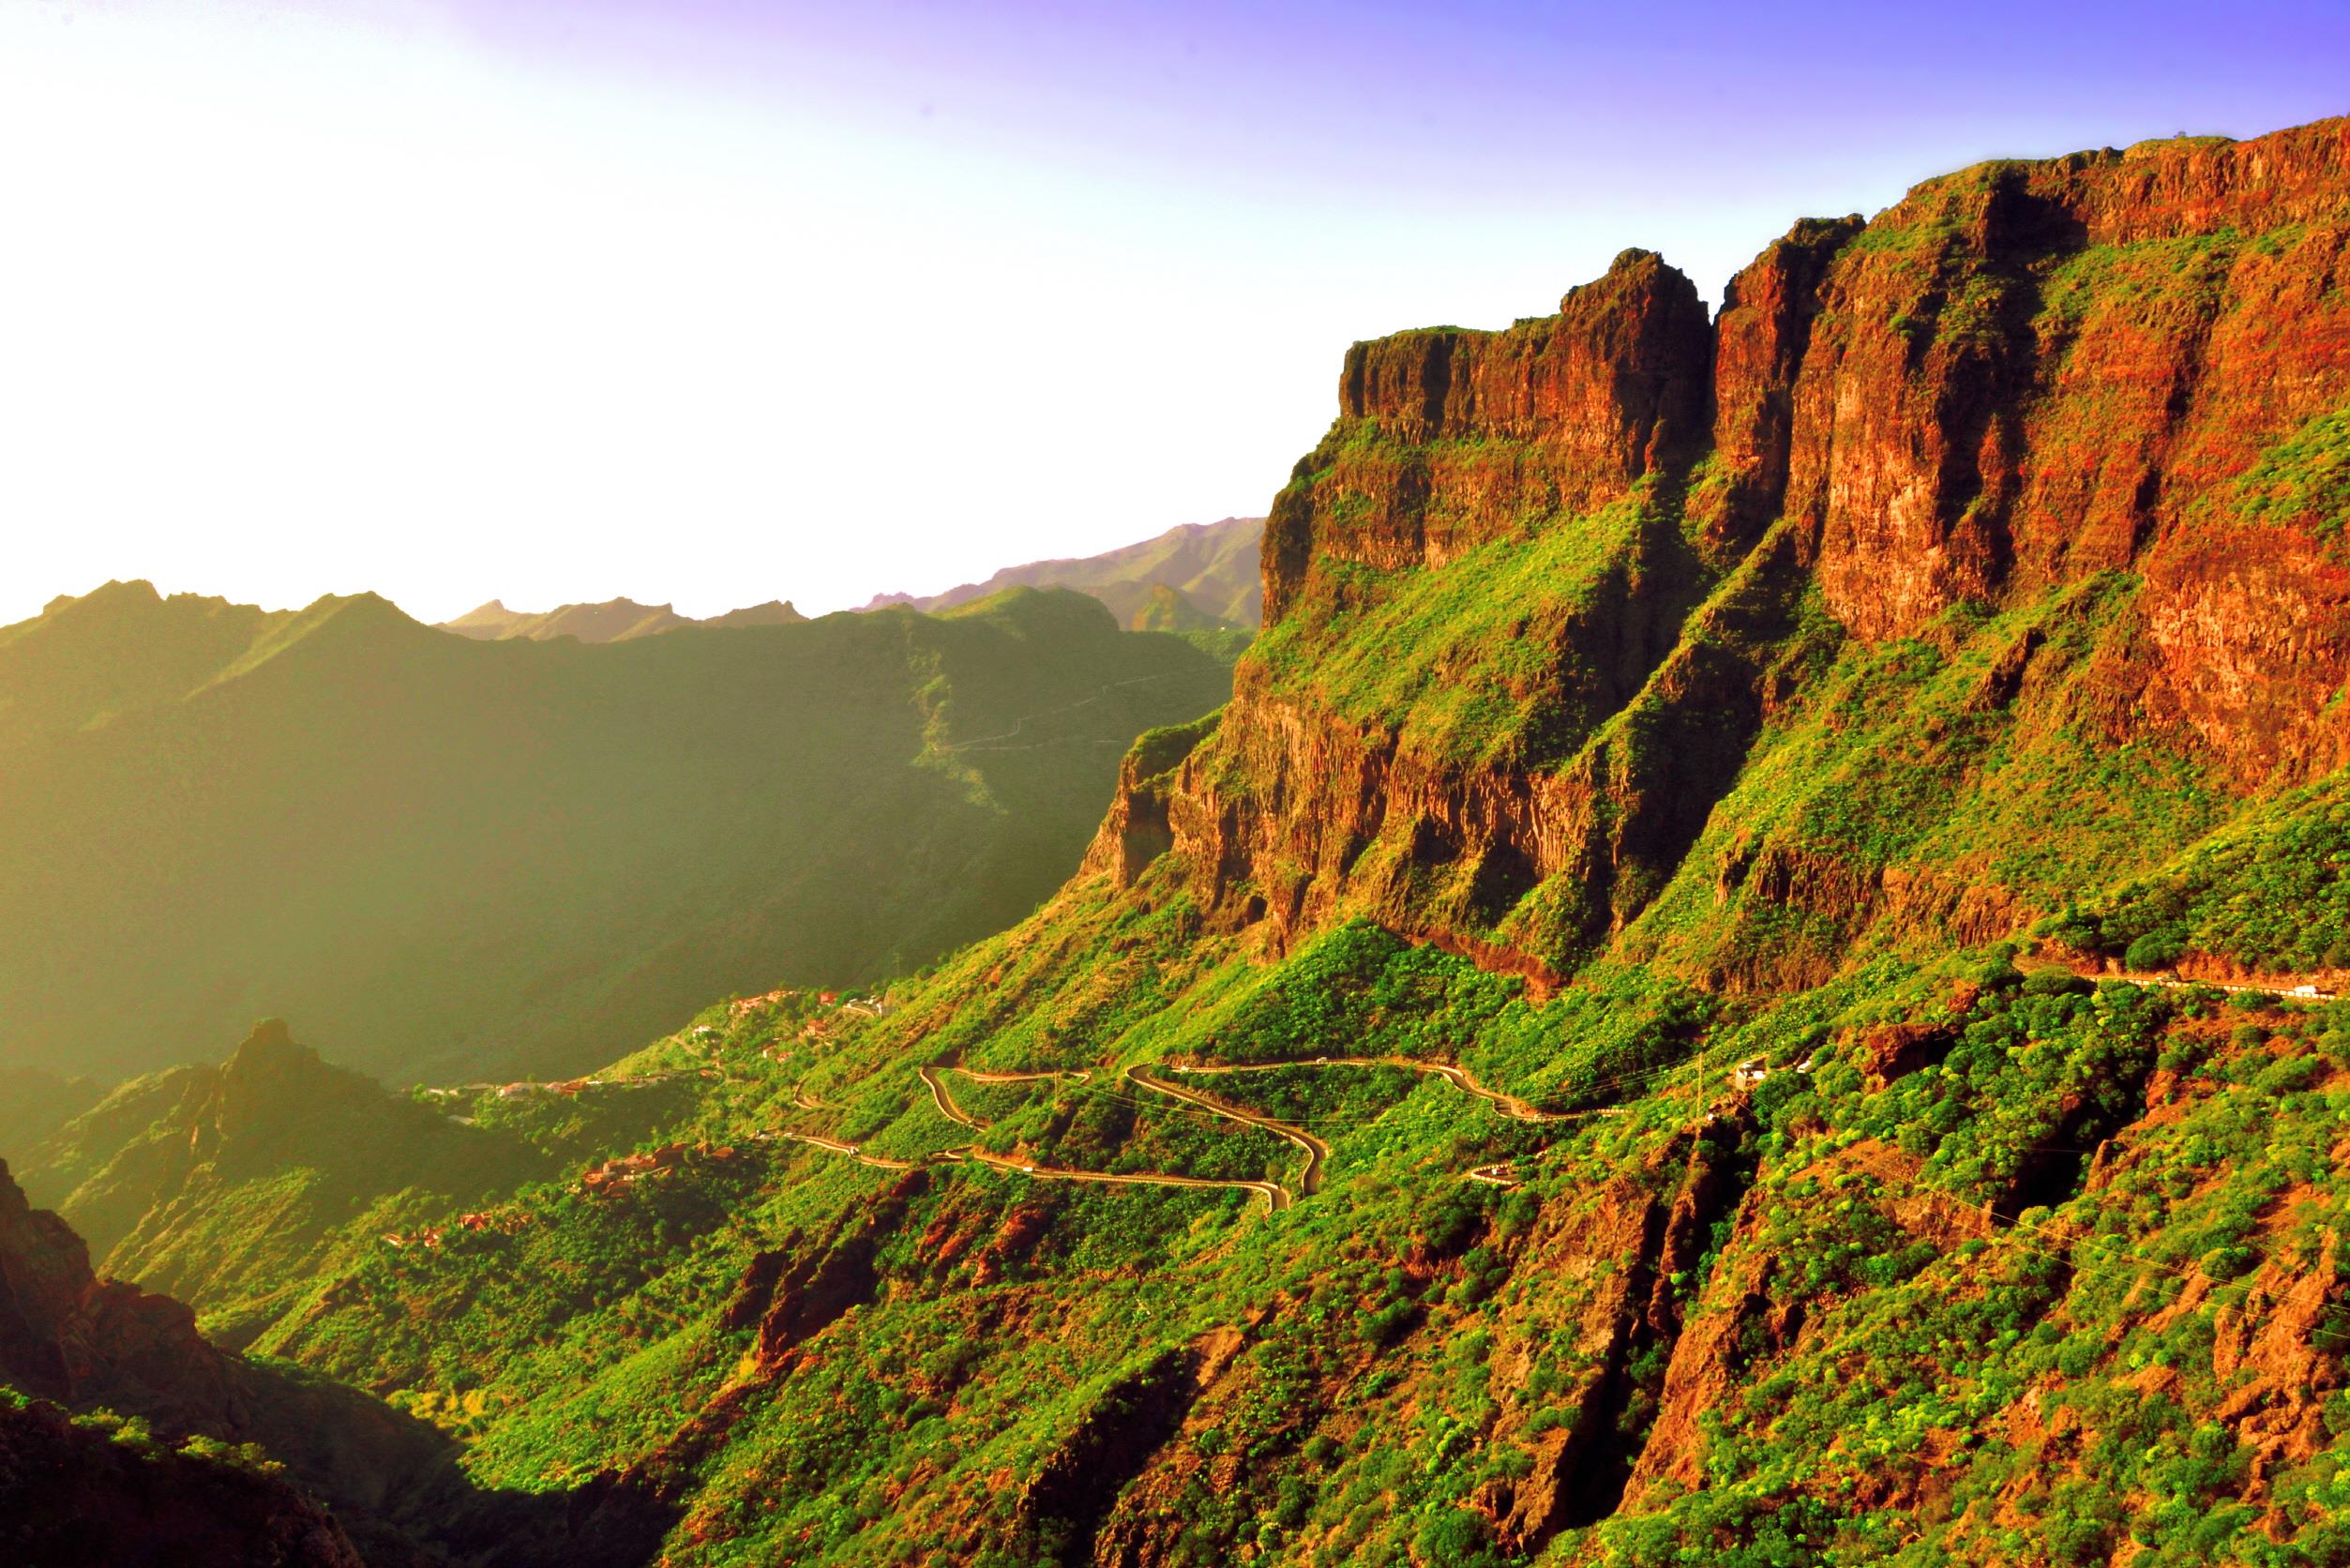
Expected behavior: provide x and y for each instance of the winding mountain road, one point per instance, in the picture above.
(1276, 1195)
(946, 1101)
(833, 1145)
(2293, 988)
(1316, 1152)
(1511, 1106)
(954, 1112)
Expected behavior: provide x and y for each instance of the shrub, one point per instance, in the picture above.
(2223, 1264)
(2157, 949)
(2057, 982)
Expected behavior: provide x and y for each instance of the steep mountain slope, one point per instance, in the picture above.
(614, 621)
(96, 1495)
(34, 1103)
(445, 855)
(1209, 568)
(127, 1437)
(227, 1186)
(1609, 1049)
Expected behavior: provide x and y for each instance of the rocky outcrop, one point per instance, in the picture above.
(74, 1497)
(2026, 371)
(1652, 1230)
(2021, 377)
(1062, 1508)
(1761, 336)
(67, 1335)
(84, 1344)
(1449, 437)
(795, 1291)
(1136, 830)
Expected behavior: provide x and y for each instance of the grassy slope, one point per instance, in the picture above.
(1412, 1347)
(437, 855)
(1407, 1337)
(2016, 1268)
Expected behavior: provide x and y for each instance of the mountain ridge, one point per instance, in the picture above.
(612, 621)
(1210, 568)
(571, 840)
(1659, 1025)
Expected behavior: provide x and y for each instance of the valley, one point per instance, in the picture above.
(1750, 974)
(451, 858)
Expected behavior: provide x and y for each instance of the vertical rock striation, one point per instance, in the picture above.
(2024, 378)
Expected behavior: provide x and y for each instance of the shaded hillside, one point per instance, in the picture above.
(1662, 1025)
(448, 856)
(127, 1437)
(1209, 569)
(225, 1186)
(34, 1103)
(614, 621)
(96, 1495)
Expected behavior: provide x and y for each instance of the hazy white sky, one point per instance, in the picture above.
(713, 303)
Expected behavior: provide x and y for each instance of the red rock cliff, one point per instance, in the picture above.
(2020, 377)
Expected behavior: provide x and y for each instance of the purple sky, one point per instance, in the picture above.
(1478, 106)
(716, 302)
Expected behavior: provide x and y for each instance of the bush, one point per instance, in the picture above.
(1454, 1535)
(2157, 949)
(2223, 1264)
(2153, 950)
(2057, 982)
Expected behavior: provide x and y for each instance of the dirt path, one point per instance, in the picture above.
(2293, 988)
(1276, 1197)
(1075, 1075)
(851, 1151)
(988, 743)
(946, 1101)
(1316, 1152)
(1511, 1106)
(948, 1108)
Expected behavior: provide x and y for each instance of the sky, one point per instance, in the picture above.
(710, 302)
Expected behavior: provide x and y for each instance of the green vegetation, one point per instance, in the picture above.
(1798, 1186)
(2303, 482)
(2268, 891)
(446, 858)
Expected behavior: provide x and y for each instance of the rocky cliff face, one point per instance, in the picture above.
(2028, 373)
(67, 1335)
(72, 1497)
(1487, 431)
(1545, 597)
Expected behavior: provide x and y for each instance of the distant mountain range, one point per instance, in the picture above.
(452, 856)
(614, 621)
(1200, 577)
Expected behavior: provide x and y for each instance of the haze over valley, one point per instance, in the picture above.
(1710, 925)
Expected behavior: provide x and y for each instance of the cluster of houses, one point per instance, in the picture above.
(744, 1007)
(620, 1172)
(505, 1222)
(567, 1087)
(429, 1237)
(1752, 1071)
